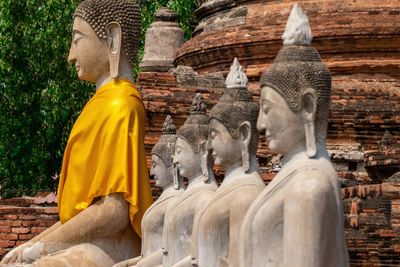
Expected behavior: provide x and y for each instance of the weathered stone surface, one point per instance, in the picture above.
(163, 39)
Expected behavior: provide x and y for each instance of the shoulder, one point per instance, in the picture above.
(310, 185)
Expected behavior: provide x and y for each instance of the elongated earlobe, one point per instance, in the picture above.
(207, 162)
(114, 40)
(309, 109)
(311, 144)
(245, 133)
(176, 178)
(204, 167)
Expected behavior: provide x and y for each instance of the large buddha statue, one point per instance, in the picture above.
(165, 175)
(297, 220)
(104, 188)
(194, 163)
(233, 139)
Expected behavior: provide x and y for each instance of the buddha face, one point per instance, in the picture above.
(284, 129)
(88, 52)
(188, 162)
(226, 150)
(162, 174)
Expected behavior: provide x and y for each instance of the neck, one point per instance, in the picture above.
(195, 179)
(237, 172)
(169, 187)
(125, 73)
(232, 168)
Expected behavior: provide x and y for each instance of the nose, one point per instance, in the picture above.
(261, 121)
(152, 171)
(71, 55)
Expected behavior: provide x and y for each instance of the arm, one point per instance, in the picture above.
(128, 263)
(96, 222)
(15, 255)
(307, 216)
(238, 211)
(186, 262)
(152, 260)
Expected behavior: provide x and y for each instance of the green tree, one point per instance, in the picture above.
(40, 93)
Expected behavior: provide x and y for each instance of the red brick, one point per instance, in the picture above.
(27, 217)
(30, 223)
(5, 229)
(10, 223)
(6, 243)
(8, 236)
(21, 230)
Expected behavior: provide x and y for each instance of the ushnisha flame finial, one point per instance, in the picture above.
(169, 126)
(198, 105)
(298, 31)
(236, 77)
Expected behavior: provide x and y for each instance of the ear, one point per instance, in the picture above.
(309, 105)
(308, 113)
(203, 147)
(245, 132)
(114, 42)
(245, 135)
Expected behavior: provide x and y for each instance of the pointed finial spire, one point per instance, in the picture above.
(168, 126)
(236, 77)
(298, 31)
(198, 105)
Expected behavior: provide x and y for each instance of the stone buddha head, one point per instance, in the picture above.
(191, 155)
(105, 38)
(295, 97)
(162, 168)
(233, 133)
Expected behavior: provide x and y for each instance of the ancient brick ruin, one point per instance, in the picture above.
(358, 40)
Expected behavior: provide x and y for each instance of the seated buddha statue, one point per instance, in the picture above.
(297, 220)
(166, 177)
(104, 188)
(194, 163)
(233, 141)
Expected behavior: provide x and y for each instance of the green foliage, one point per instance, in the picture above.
(41, 96)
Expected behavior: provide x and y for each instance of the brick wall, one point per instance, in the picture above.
(21, 220)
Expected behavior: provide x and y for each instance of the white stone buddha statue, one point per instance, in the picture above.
(194, 163)
(166, 176)
(233, 141)
(297, 220)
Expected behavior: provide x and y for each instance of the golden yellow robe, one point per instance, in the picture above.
(105, 154)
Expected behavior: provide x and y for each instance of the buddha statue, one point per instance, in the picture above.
(297, 220)
(166, 177)
(194, 162)
(233, 141)
(104, 188)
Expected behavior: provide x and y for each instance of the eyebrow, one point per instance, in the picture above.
(77, 32)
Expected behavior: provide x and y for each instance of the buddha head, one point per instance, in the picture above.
(233, 124)
(162, 168)
(191, 155)
(295, 96)
(105, 38)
